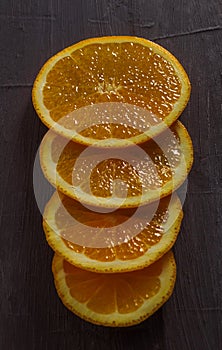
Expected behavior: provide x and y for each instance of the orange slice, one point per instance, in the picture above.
(123, 240)
(145, 84)
(115, 299)
(125, 177)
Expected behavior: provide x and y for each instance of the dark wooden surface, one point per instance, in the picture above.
(32, 316)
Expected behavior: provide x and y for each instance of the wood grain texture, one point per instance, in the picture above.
(32, 316)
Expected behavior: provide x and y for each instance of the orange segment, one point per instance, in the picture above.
(128, 300)
(104, 300)
(127, 178)
(126, 70)
(115, 299)
(133, 239)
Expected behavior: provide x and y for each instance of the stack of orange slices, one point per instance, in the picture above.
(116, 155)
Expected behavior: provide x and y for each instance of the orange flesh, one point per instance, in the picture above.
(135, 179)
(106, 294)
(125, 72)
(135, 247)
